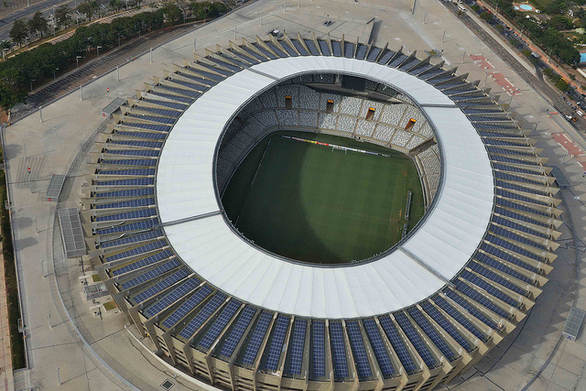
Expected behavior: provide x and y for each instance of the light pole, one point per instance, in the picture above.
(150, 55)
(77, 60)
(54, 75)
(98, 49)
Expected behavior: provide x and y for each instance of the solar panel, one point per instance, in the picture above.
(171, 96)
(136, 203)
(416, 340)
(255, 339)
(373, 54)
(127, 182)
(386, 56)
(143, 135)
(311, 46)
(515, 225)
(507, 257)
(398, 344)
(136, 238)
(160, 286)
(187, 84)
(130, 171)
(180, 91)
(446, 325)
(154, 127)
(152, 118)
(290, 51)
(151, 274)
(275, 344)
(336, 48)
(134, 214)
(338, 347)
(432, 333)
(219, 324)
(215, 69)
(145, 191)
(454, 313)
(497, 278)
(143, 262)
(490, 289)
(164, 112)
(512, 247)
(323, 46)
(361, 52)
(358, 349)
(71, 232)
(378, 346)
(130, 162)
(513, 236)
(236, 332)
(318, 349)
(207, 310)
(138, 250)
(198, 79)
(275, 49)
(299, 47)
(134, 152)
(135, 143)
(471, 309)
(171, 297)
(187, 306)
(519, 207)
(296, 347)
(173, 105)
(485, 259)
(263, 51)
(479, 298)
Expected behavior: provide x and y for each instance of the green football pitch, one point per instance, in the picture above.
(315, 204)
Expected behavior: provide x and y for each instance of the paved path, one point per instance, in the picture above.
(6, 378)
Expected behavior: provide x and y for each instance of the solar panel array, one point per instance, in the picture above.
(296, 348)
(507, 269)
(338, 346)
(188, 305)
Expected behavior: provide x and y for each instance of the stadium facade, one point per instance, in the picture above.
(237, 317)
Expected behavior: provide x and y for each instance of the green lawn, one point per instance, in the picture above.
(310, 203)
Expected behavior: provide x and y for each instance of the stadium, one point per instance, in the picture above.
(474, 228)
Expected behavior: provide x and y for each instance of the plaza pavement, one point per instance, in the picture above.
(59, 359)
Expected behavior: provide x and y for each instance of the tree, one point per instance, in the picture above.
(88, 8)
(19, 32)
(172, 13)
(63, 16)
(38, 25)
(560, 22)
(115, 4)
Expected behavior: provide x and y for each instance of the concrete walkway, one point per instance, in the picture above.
(6, 378)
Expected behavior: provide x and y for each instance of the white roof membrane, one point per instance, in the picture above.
(441, 246)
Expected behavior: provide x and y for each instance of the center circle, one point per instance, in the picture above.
(326, 169)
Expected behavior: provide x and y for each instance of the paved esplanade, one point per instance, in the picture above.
(55, 352)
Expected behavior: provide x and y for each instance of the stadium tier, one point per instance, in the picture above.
(239, 318)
